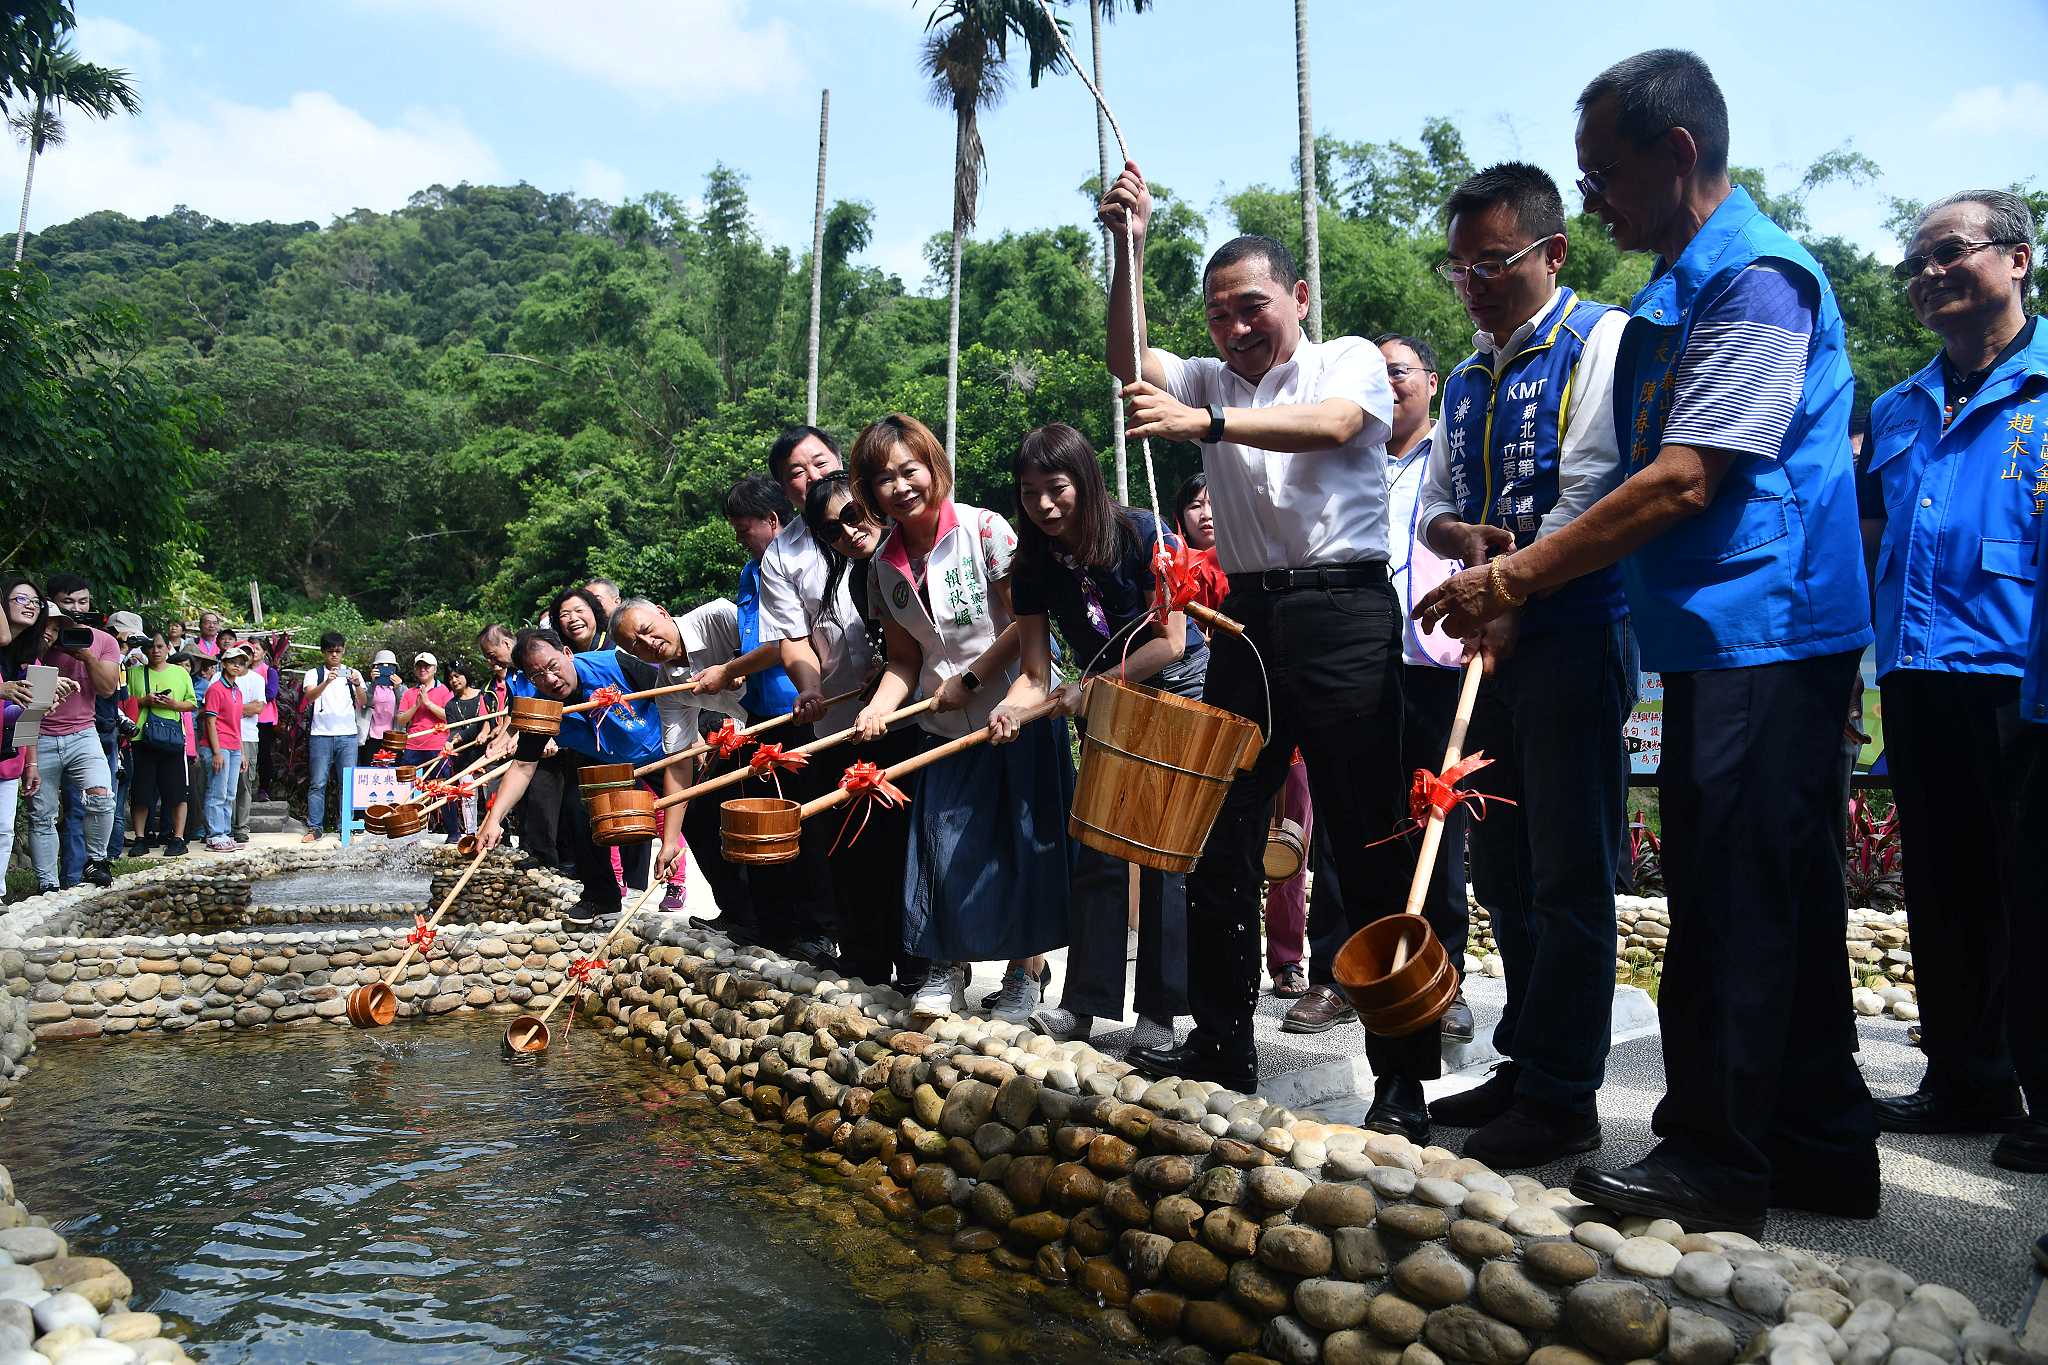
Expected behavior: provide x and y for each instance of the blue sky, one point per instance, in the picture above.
(307, 110)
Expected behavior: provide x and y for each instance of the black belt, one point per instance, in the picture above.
(1370, 573)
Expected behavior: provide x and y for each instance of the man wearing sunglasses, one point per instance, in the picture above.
(1960, 454)
(1525, 443)
(1737, 535)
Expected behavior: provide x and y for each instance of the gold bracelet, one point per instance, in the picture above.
(1497, 579)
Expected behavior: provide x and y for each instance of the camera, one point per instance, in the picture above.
(74, 637)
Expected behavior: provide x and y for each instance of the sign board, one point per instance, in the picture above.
(377, 786)
(1644, 730)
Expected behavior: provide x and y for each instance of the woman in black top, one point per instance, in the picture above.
(1085, 562)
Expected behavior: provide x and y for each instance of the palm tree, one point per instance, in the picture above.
(1098, 10)
(1312, 252)
(966, 47)
(57, 77)
(817, 259)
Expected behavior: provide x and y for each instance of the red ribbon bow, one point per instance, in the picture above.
(770, 756)
(583, 968)
(1176, 578)
(448, 791)
(1430, 794)
(610, 702)
(867, 784)
(727, 740)
(423, 934)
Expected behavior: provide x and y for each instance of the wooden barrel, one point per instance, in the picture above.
(406, 772)
(604, 776)
(526, 1035)
(404, 821)
(535, 715)
(375, 816)
(1395, 1002)
(1154, 771)
(1284, 851)
(372, 1006)
(759, 829)
(625, 816)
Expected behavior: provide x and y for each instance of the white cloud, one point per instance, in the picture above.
(662, 51)
(311, 158)
(597, 180)
(2019, 110)
(110, 42)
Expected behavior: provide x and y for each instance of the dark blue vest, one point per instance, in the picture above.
(1504, 437)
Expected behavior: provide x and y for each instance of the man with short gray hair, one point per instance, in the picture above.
(1959, 452)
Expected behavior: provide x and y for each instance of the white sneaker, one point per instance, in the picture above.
(1151, 1033)
(944, 991)
(1014, 1001)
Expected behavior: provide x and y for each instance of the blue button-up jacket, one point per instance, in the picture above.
(1958, 563)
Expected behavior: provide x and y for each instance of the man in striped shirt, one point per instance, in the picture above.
(1737, 536)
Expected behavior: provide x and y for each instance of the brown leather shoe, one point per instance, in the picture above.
(1323, 1008)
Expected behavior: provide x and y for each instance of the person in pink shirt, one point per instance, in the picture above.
(208, 640)
(220, 727)
(69, 755)
(422, 710)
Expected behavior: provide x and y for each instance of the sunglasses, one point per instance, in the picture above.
(1945, 256)
(850, 518)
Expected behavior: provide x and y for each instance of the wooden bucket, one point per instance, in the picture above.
(604, 777)
(404, 821)
(625, 816)
(406, 772)
(1284, 851)
(759, 829)
(526, 1035)
(372, 1006)
(1154, 771)
(1396, 1001)
(375, 816)
(535, 715)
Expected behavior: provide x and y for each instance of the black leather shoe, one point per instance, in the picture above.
(1653, 1189)
(1482, 1104)
(1198, 1059)
(1398, 1107)
(1531, 1133)
(1931, 1110)
(1456, 1025)
(2025, 1148)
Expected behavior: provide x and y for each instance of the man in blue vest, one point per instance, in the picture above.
(1525, 442)
(1960, 454)
(1736, 531)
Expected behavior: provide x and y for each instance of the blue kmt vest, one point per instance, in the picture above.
(1505, 437)
(1772, 570)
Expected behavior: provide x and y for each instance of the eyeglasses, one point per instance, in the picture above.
(1593, 184)
(1397, 373)
(1486, 272)
(22, 600)
(1945, 256)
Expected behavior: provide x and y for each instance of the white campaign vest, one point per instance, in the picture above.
(970, 615)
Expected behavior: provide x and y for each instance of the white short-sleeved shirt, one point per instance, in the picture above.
(710, 635)
(794, 571)
(252, 690)
(1276, 510)
(334, 710)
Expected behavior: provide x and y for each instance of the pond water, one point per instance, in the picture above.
(327, 1195)
(391, 885)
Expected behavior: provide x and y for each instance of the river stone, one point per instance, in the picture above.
(1073, 1187)
(1337, 1206)
(1145, 1254)
(19, 1282)
(1276, 1188)
(1219, 1185)
(1433, 1276)
(1446, 1194)
(1393, 1318)
(1529, 1221)
(1704, 1274)
(1922, 1336)
(1599, 1236)
(1825, 1304)
(30, 1244)
(1289, 1341)
(1125, 1204)
(1958, 1309)
(1218, 1326)
(1913, 1355)
(1463, 1333)
(1359, 1253)
(100, 1353)
(1562, 1355)
(1177, 1216)
(1791, 1349)
(1038, 1228)
(64, 1308)
(967, 1107)
(1760, 1289)
(1195, 1268)
(1358, 1348)
(1392, 1182)
(1167, 1174)
(1016, 1101)
(1651, 1257)
(1257, 1290)
(1331, 1305)
(1482, 1241)
(1295, 1250)
(1157, 1311)
(1619, 1320)
(59, 1343)
(1416, 1222)
(1231, 1233)
(1696, 1339)
(991, 1205)
(1513, 1297)
(1560, 1262)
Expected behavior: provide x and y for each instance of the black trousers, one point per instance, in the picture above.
(1333, 665)
(540, 812)
(867, 864)
(793, 900)
(1759, 1039)
(1429, 699)
(594, 860)
(728, 881)
(1960, 756)
(1098, 930)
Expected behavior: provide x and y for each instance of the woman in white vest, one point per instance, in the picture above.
(986, 874)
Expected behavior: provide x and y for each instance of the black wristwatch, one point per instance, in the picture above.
(969, 681)
(1215, 424)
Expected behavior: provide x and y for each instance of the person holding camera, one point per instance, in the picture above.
(158, 750)
(70, 755)
(333, 696)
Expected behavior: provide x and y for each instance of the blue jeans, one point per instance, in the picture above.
(71, 765)
(1550, 719)
(220, 794)
(323, 752)
(71, 833)
(117, 839)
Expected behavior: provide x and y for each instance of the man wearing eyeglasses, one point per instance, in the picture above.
(1524, 445)
(1737, 535)
(1960, 454)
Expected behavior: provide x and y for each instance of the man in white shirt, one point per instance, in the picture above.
(1296, 466)
(332, 695)
(1525, 442)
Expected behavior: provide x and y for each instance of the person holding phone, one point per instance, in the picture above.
(158, 753)
(333, 695)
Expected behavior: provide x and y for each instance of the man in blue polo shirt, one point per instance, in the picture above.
(627, 732)
(1960, 454)
(1737, 535)
(2029, 932)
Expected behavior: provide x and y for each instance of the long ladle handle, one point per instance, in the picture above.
(1433, 832)
(446, 901)
(738, 775)
(926, 759)
(625, 917)
(668, 760)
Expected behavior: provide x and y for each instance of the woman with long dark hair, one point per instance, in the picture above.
(581, 620)
(1085, 563)
(23, 614)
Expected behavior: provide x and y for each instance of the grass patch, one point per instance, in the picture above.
(21, 881)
